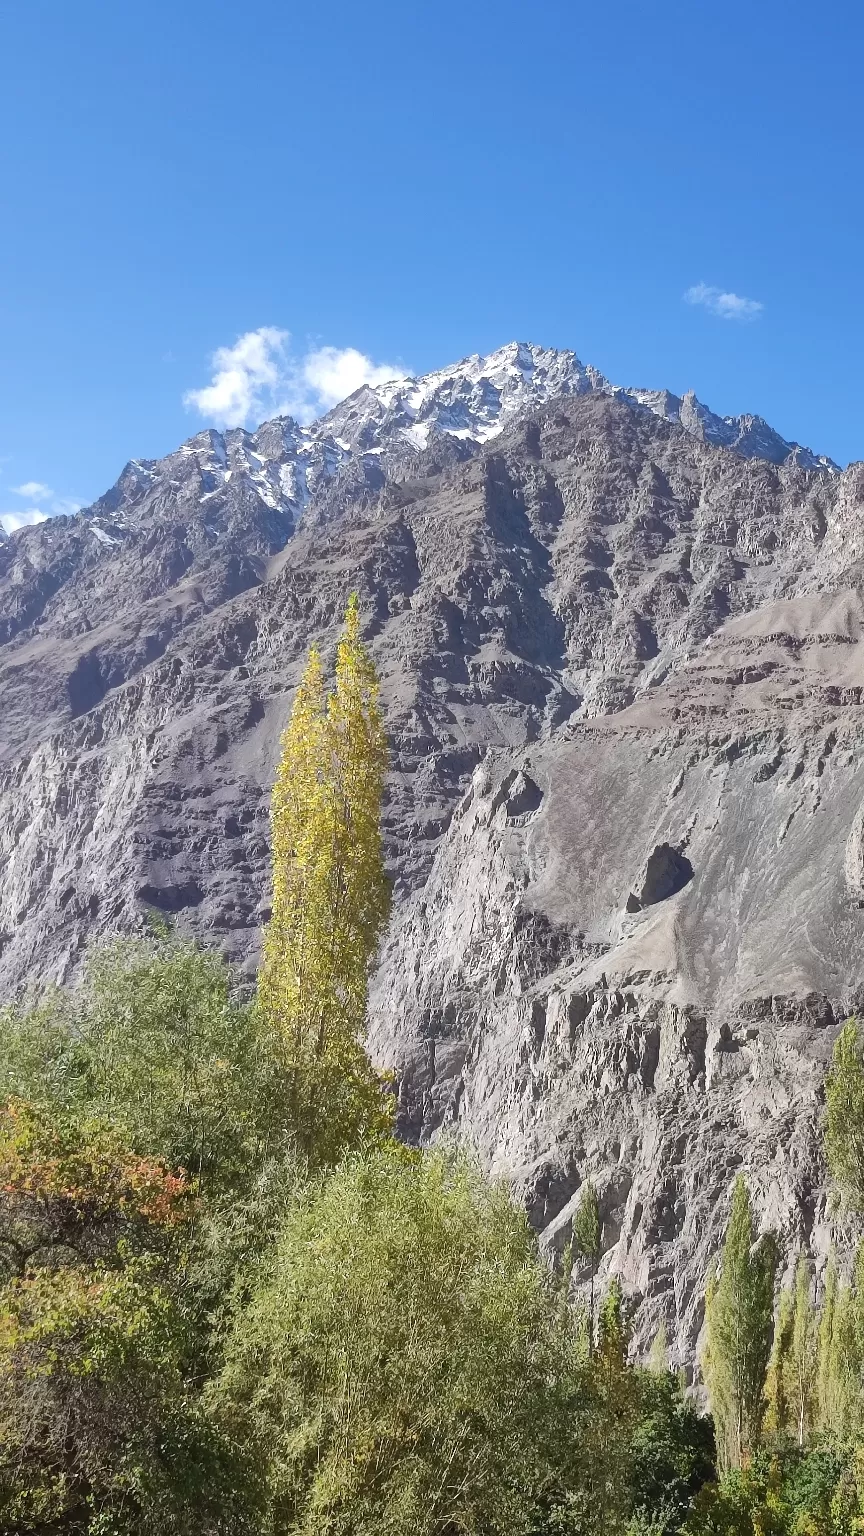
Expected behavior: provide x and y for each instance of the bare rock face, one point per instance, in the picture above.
(623, 669)
(657, 1052)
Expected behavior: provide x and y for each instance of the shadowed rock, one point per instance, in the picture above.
(666, 872)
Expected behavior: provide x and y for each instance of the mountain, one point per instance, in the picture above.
(621, 658)
(285, 464)
(476, 399)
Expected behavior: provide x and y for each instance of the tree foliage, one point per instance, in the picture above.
(98, 1428)
(330, 898)
(669, 1455)
(793, 1372)
(739, 1317)
(402, 1365)
(99, 1431)
(839, 1406)
(782, 1492)
(72, 1191)
(844, 1129)
(152, 1041)
(587, 1237)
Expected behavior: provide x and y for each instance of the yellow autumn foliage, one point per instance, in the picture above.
(331, 898)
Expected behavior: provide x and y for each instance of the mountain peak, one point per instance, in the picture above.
(283, 463)
(478, 396)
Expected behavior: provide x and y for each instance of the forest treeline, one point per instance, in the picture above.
(231, 1302)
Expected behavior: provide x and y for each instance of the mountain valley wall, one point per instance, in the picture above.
(623, 672)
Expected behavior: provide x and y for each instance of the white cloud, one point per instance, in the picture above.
(52, 506)
(33, 490)
(243, 376)
(9, 521)
(333, 373)
(729, 306)
(259, 377)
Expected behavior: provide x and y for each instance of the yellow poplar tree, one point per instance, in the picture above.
(331, 898)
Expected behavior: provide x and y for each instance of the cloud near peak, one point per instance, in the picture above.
(11, 521)
(259, 377)
(35, 491)
(727, 306)
(333, 373)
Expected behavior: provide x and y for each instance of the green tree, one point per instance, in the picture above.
(401, 1365)
(739, 1316)
(100, 1430)
(71, 1192)
(670, 1454)
(844, 1122)
(587, 1234)
(330, 897)
(778, 1413)
(825, 1383)
(838, 1363)
(658, 1355)
(617, 1390)
(792, 1387)
(781, 1492)
(803, 1355)
(613, 1333)
(152, 1041)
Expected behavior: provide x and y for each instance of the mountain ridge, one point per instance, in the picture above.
(471, 401)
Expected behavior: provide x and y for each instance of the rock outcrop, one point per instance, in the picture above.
(623, 669)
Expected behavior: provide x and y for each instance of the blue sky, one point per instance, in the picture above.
(417, 182)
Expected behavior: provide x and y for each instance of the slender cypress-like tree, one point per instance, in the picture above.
(587, 1241)
(658, 1355)
(792, 1386)
(840, 1354)
(803, 1355)
(844, 1128)
(778, 1412)
(843, 1390)
(824, 1363)
(330, 898)
(739, 1317)
(614, 1381)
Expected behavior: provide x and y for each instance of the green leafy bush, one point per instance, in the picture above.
(153, 1041)
(402, 1365)
(98, 1430)
(787, 1492)
(670, 1456)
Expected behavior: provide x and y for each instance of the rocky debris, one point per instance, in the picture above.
(614, 655)
(854, 858)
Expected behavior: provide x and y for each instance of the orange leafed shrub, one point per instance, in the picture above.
(72, 1187)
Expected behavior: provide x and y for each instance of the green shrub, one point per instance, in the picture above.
(153, 1041)
(402, 1365)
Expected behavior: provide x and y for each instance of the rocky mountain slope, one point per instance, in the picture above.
(621, 645)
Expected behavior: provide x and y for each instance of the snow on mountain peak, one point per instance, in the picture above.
(474, 398)
(477, 398)
(284, 463)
